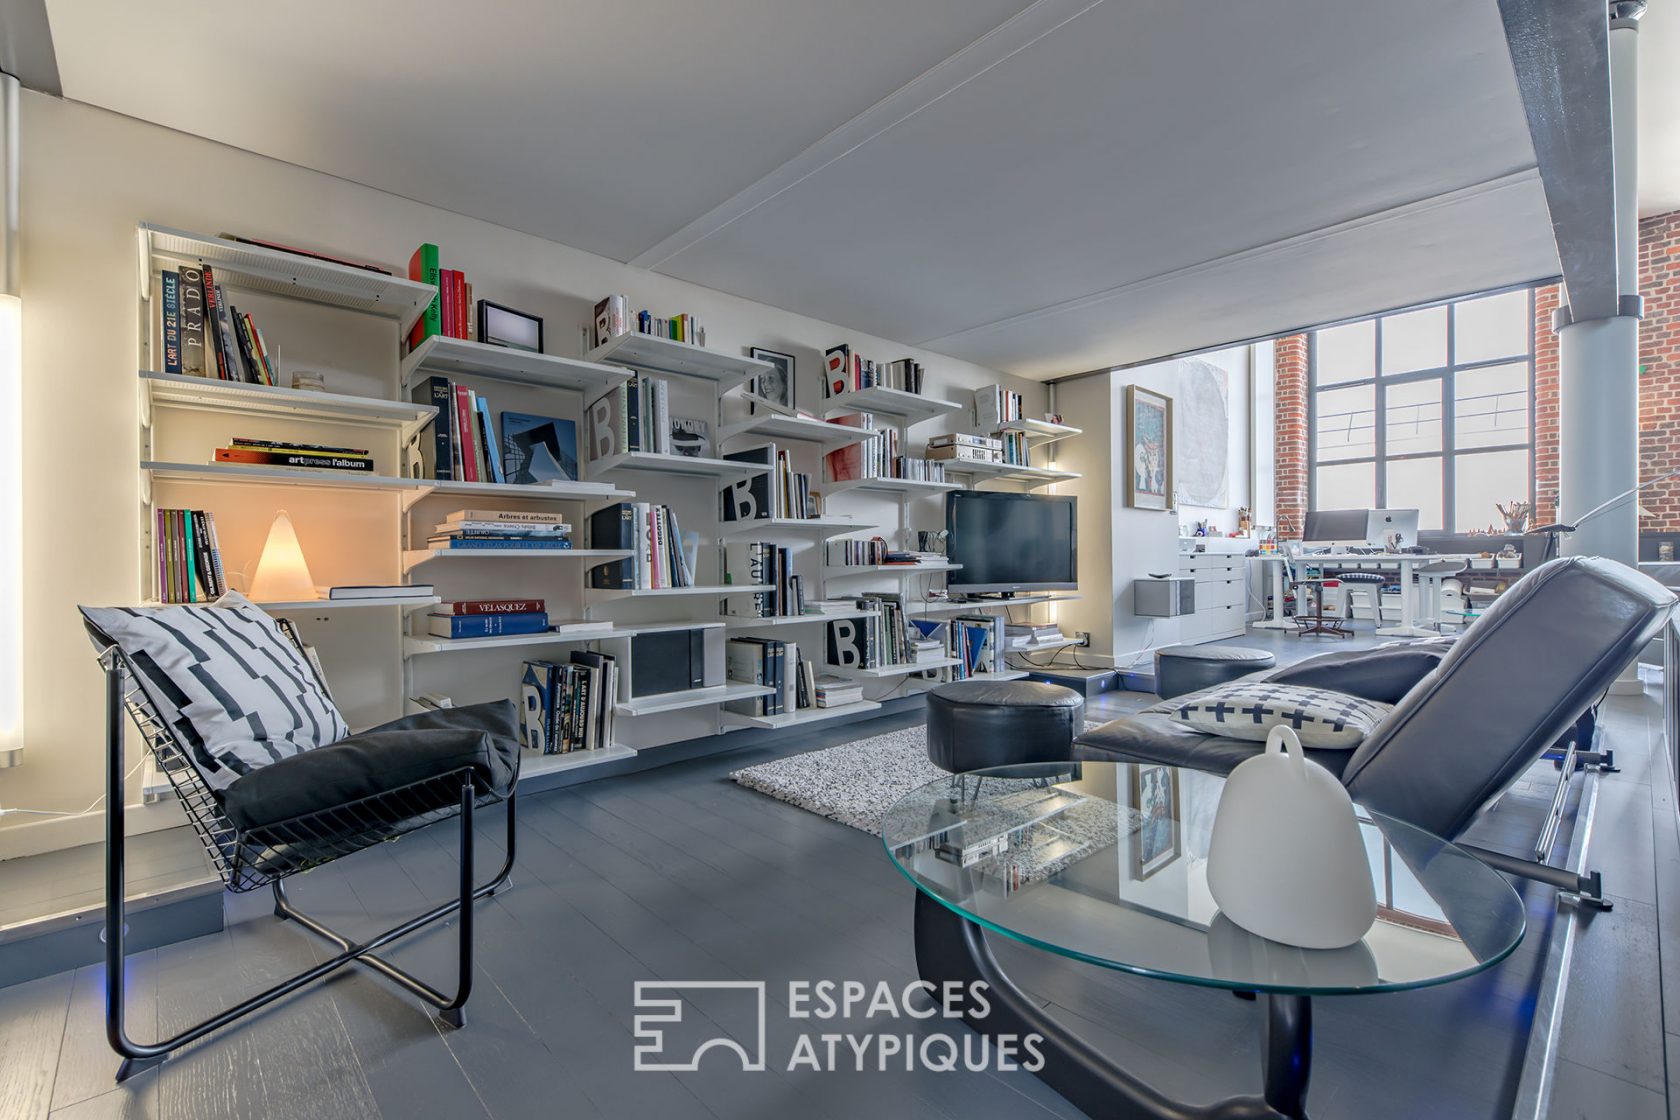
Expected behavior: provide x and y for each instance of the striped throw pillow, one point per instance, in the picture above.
(233, 688)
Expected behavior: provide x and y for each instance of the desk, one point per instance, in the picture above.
(1407, 562)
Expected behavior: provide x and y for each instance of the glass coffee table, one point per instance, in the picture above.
(1107, 863)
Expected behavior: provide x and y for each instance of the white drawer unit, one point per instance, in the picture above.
(1221, 596)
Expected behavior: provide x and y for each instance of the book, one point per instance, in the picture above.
(750, 499)
(229, 339)
(347, 463)
(613, 527)
(505, 528)
(171, 321)
(690, 437)
(437, 458)
(518, 544)
(612, 318)
(605, 717)
(465, 449)
(490, 442)
(270, 364)
(213, 328)
(605, 427)
(243, 343)
(744, 662)
(383, 591)
(423, 266)
(490, 606)
(247, 443)
(536, 689)
(511, 516)
(190, 287)
(538, 449)
(486, 625)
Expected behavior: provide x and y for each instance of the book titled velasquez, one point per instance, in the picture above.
(490, 606)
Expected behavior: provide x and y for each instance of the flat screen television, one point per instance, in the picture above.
(1011, 542)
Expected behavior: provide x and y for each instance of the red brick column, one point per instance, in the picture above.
(1546, 301)
(1659, 369)
(1289, 361)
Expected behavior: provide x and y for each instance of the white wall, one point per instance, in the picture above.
(88, 177)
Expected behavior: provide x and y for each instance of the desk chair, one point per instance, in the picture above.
(1312, 587)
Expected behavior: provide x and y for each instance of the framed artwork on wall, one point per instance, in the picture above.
(1149, 468)
(775, 388)
(1158, 840)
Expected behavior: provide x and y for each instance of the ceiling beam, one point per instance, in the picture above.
(26, 47)
(1561, 53)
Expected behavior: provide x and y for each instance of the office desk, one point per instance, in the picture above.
(1407, 562)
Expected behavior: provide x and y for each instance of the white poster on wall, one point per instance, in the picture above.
(1201, 433)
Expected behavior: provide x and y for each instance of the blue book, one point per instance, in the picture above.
(548, 544)
(171, 322)
(493, 460)
(487, 625)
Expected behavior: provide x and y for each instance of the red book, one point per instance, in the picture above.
(212, 325)
(465, 424)
(490, 606)
(463, 305)
(446, 301)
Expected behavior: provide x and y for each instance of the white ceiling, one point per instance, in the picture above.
(1044, 188)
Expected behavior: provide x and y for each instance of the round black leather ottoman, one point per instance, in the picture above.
(1181, 669)
(978, 723)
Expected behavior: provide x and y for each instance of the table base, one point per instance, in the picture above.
(952, 948)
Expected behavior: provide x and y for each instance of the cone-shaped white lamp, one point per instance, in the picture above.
(282, 572)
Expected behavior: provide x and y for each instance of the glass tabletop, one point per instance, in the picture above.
(1107, 862)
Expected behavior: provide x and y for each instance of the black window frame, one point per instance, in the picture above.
(1447, 375)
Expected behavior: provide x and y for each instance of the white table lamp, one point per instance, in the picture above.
(282, 572)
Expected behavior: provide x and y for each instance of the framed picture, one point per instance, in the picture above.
(1159, 839)
(1149, 473)
(503, 326)
(775, 387)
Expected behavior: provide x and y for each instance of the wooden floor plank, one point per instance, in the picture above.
(87, 1066)
(32, 1018)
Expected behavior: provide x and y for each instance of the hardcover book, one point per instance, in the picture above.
(691, 437)
(605, 426)
(750, 498)
(436, 454)
(423, 266)
(171, 321)
(613, 527)
(486, 625)
(490, 606)
(191, 288)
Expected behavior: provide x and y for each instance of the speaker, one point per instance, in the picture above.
(674, 661)
(1164, 598)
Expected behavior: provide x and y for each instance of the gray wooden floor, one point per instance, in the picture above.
(679, 874)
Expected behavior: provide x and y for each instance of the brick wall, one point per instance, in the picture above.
(1659, 392)
(1289, 358)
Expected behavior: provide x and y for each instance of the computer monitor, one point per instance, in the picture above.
(1332, 527)
(1391, 529)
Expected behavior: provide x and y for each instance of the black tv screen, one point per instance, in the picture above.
(1011, 542)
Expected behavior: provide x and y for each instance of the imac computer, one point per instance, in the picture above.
(1335, 528)
(1391, 529)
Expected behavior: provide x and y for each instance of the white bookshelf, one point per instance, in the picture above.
(690, 698)
(286, 274)
(904, 408)
(414, 558)
(791, 526)
(415, 645)
(1040, 432)
(246, 474)
(588, 492)
(770, 426)
(1038, 476)
(662, 463)
(602, 595)
(835, 571)
(884, 671)
(534, 764)
(459, 357)
(238, 398)
(890, 486)
(747, 623)
(310, 606)
(930, 609)
(800, 717)
(664, 355)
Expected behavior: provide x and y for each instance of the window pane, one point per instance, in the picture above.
(1495, 327)
(1416, 484)
(1415, 340)
(1487, 479)
(1345, 353)
(1490, 406)
(1345, 423)
(1345, 486)
(1412, 412)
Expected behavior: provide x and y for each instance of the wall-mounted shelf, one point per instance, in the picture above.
(891, 486)
(600, 594)
(747, 623)
(793, 719)
(775, 526)
(907, 408)
(1060, 643)
(286, 274)
(417, 644)
(184, 391)
(1012, 472)
(551, 492)
(415, 557)
(1040, 432)
(272, 476)
(309, 606)
(690, 698)
(835, 571)
(924, 610)
(534, 763)
(661, 463)
(889, 670)
(459, 357)
(773, 426)
(665, 355)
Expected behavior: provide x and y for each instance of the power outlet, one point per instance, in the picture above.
(1083, 637)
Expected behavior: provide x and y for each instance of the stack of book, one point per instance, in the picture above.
(189, 558)
(963, 448)
(205, 335)
(468, 446)
(780, 491)
(1029, 634)
(636, 416)
(846, 372)
(995, 406)
(877, 458)
(502, 530)
(854, 553)
(836, 692)
(487, 618)
(612, 318)
(977, 642)
(662, 555)
(565, 707)
(288, 453)
(450, 312)
(749, 563)
(773, 664)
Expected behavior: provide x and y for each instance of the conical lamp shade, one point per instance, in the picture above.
(282, 572)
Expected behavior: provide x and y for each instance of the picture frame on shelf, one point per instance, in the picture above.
(774, 389)
(1149, 449)
(504, 326)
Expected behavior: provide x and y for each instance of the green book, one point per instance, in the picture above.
(423, 266)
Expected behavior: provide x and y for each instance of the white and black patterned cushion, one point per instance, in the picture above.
(234, 689)
(1249, 710)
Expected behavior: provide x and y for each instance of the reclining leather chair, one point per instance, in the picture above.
(1470, 717)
